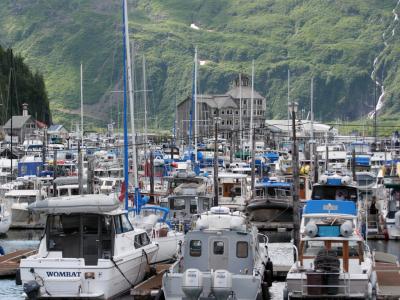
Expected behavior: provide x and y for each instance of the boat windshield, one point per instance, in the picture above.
(87, 236)
(332, 192)
(312, 248)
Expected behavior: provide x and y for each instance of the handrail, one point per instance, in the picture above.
(345, 285)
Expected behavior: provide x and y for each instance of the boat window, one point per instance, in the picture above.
(141, 240)
(177, 204)
(125, 224)
(90, 224)
(63, 234)
(118, 227)
(219, 248)
(242, 249)
(206, 204)
(195, 248)
(193, 206)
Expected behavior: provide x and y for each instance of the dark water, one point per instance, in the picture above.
(25, 239)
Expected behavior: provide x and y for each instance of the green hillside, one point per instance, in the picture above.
(336, 41)
(18, 85)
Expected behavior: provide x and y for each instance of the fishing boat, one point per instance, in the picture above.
(189, 195)
(89, 250)
(272, 202)
(223, 259)
(333, 261)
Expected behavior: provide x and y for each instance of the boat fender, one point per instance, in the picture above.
(31, 289)
(370, 293)
(269, 265)
(373, 280)
(285, 294)
(18, 280)
(268, 277)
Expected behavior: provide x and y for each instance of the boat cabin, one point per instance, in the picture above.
(335, 187)
(88, 235)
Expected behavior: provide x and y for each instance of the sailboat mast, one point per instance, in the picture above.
(145, 102)
(195, 106)
(288, 102)
(252, 104)
(131, 100)
(125, 119)
(81, 105)
(241, 117)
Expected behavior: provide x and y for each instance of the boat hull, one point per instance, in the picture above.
(270, 211)
(168, 247)
(71, 278)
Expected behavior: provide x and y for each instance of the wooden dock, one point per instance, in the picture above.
(9, 263)
(150, 288)
(388, 276)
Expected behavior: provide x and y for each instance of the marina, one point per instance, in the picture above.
(246, 195)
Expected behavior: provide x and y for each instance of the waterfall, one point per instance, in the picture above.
(387, 36)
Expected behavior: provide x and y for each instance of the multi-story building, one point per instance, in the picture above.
(233, 109)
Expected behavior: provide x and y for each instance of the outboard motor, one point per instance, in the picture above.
(311, 229)
(328, 263)
(346, 229)
(221, 284)
(31, 289)
(192, 284)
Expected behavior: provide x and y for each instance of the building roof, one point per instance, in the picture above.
(55, 128)
(245, 93)
(18, 122)
(302, 126)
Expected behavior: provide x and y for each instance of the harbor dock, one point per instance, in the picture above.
(9, 263)
(388, 276)
(150, 288)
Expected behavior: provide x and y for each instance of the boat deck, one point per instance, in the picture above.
(9, 263)
(388, 280)
(151, 287)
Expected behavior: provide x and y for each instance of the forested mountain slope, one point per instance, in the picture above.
(335, 41)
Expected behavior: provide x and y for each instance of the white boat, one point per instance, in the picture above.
(337, 156)
(223, 259)
(5, 216)
(152, 218)
(89, 250)
(21, 216)
(392, 218)
(333, 260)
(234, 190)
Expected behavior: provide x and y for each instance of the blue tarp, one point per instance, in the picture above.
(29, 168)
(266, 183)
(272, 156)
(330, 206)
(362, 161)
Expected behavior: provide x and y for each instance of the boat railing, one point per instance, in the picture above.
(281, 195)
(325, 283)
(264, 237)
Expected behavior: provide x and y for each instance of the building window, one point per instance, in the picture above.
(222, 122)
(236, 112)
(215, 111)
(236, 122)
(222, 112)
(244, 101)
(244, 112)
